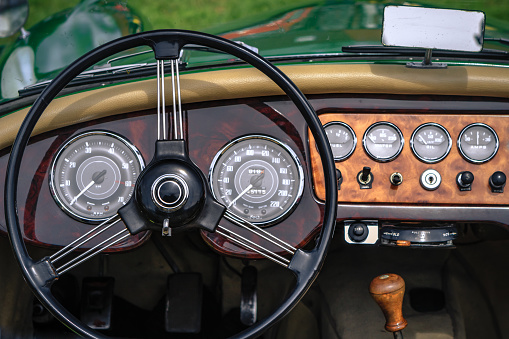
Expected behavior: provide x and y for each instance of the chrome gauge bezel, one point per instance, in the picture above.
(465, 156)
(294, 158)
(352, 133)
(52, 174)
(398, 132)
(426, 160)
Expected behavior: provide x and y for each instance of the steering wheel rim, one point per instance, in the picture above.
(166, 45)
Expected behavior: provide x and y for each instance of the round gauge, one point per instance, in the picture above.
(257, 178)
(478, 143)
(342, 139)
(383, 141)
(430, 142)
(93, 175)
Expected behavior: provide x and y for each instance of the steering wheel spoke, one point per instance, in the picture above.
(84, 239)
(259, 232)
(177, 116)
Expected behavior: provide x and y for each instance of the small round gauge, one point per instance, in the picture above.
(257, 178)
(342, 139)
(478, 143)
(430, 142)
(383, 141)
(93, 175)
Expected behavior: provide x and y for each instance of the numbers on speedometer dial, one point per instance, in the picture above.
(93, 175)
(258, 178)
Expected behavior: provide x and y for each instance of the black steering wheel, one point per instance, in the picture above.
(195, 209)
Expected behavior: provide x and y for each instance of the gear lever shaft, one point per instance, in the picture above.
(388, 290)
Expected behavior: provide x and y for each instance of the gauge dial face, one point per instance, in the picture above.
(93, 175)
(430, 142)
(258, 178)
(383, 141)
(342, 139)
(478, 143)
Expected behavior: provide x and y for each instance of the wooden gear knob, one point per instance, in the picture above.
(388, 290)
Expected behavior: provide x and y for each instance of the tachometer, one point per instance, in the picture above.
(430, 142)
(478, 143)
(258, 178)
(93, 175)
(383, 141)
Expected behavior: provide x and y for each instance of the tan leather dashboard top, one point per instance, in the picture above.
(240, 83)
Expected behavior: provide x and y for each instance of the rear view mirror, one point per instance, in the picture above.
(13, 14)
(432, 28)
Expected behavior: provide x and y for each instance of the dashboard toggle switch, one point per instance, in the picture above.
(497, 182)
(396, 178)
(365, 178)
(464, 180)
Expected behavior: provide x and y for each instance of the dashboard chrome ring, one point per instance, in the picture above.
(63, 147)
(293, 156)
(465, 156)
(159, 201)
(351, 132)
(449, 141)
(400, 135)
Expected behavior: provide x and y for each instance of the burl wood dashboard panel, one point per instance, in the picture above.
(411, 191)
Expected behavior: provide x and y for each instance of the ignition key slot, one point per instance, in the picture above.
(430, 179)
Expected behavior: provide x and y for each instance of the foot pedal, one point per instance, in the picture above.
(248, 299)
(97, 298)
(183, 303)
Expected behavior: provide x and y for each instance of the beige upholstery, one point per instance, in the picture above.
(240, 83)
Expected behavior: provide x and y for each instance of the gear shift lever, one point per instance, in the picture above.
(388, 290)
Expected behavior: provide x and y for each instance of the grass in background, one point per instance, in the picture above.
(190, 14)
(202, 14)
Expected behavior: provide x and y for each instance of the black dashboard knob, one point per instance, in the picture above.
(497, 182)
(465, 180)
(358, 232)
(339, 178)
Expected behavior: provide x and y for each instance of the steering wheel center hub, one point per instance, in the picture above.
(169, 192)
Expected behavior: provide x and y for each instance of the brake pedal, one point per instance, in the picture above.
(184, 299)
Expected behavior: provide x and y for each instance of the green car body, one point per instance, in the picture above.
(310, 33)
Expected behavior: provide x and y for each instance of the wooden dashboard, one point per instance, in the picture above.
(211, 125)
(410, 191)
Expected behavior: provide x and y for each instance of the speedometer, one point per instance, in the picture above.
(93, 175)
(257, 178)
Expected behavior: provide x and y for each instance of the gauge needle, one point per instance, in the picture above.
(241, 194)
(95, 178)
(253, 182)
(424, 141)
(477, 138)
